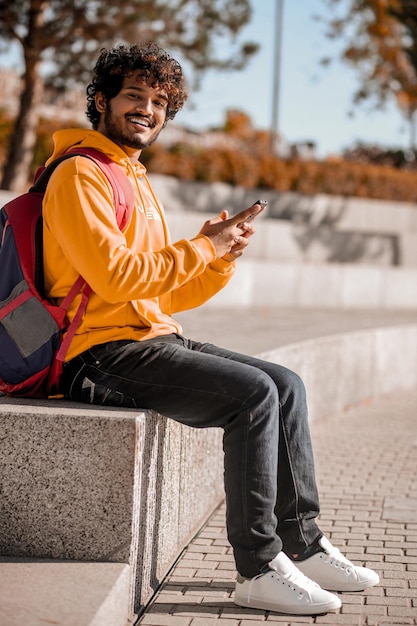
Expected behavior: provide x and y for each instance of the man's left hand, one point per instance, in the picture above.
(241, 241)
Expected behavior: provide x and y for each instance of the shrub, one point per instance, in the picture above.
(240, 155)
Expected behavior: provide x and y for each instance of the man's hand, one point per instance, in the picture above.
(230, 236)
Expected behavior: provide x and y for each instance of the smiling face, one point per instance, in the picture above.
(134, 118)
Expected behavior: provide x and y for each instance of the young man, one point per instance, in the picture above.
(129, 351)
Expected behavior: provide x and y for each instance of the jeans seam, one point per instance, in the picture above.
(297, 513)
(208, 392)
(245, 491)
(75, 378)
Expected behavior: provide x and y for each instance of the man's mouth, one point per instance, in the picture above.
(143, 122)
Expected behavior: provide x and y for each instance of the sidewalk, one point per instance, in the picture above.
(366, 461)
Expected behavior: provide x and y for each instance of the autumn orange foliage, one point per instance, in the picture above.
(242, 156)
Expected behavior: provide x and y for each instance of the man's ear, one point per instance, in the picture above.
(101, 102)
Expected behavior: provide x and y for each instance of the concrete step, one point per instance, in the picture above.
(37, 593)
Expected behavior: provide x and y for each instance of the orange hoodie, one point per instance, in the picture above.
(139, 279)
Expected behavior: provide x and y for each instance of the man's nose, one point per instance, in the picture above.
(145, 106)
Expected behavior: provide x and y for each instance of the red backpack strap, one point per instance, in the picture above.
(123, 194)
(124, 197)
(79, 285)
(124, 202)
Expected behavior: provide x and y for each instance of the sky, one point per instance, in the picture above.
(314, 101)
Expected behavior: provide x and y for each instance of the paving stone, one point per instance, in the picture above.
(202, 621)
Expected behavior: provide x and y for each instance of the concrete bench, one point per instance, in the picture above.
(97, 503)
(84, 484)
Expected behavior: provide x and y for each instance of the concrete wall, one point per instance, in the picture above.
(260, 283)
(322, 251)
(308, 229)
(297, 228)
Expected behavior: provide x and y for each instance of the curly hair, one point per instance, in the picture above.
(115, 64)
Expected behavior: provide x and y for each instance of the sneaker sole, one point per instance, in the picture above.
(351, 589)
(288, 610)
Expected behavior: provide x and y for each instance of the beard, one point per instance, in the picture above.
(119, 135)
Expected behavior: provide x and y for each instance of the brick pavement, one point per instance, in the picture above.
(366, 462)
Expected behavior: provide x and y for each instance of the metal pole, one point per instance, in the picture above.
(413, 121)
(279, 5)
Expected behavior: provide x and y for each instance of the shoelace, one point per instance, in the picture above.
(297, 577)
(334, 557)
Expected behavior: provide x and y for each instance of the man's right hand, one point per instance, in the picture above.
(230, 235)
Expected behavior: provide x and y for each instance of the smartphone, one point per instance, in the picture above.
(263, 204)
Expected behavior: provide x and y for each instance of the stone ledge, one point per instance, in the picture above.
(85, 483)
(35, 593)
(341, 371)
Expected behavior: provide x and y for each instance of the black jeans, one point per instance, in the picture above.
(271, 495)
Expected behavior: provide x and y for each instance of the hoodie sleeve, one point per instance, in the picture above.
(203, 287)
(79, 214)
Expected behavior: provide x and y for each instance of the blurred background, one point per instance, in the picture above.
(315, 98)
(275, 81)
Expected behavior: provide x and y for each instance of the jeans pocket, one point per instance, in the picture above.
(96, 393)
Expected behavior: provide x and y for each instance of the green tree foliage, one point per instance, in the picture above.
(380, 40)
(60, 40)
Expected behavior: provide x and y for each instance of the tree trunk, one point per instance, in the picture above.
(19, 160)
(16, 173)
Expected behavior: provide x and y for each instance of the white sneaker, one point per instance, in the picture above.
(333, 571)
(284, 589)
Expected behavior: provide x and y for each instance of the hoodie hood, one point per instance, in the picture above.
(72, 138)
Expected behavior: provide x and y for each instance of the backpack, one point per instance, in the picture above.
(34, 331)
